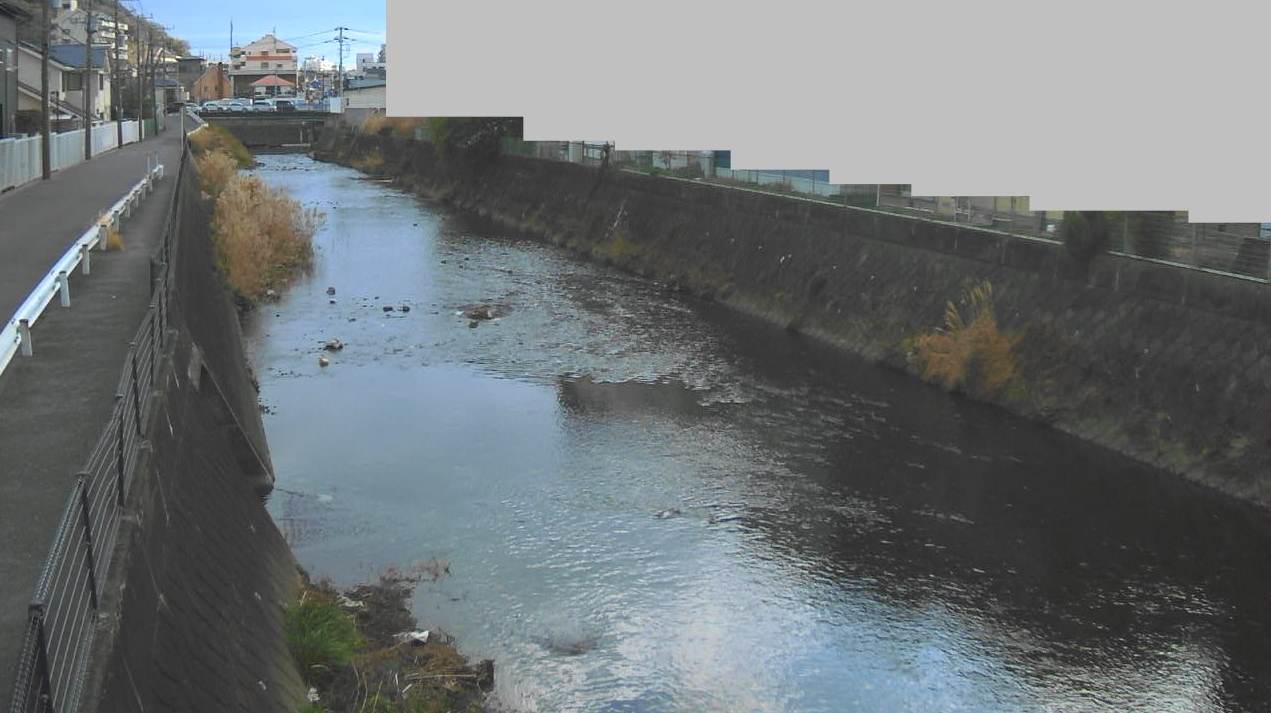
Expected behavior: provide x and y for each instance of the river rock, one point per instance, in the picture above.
(334, 345)
(479, 312)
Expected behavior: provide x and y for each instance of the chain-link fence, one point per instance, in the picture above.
(63, 610)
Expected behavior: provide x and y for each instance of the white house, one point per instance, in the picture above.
(366, 94)
(262, 58)
(65, 83)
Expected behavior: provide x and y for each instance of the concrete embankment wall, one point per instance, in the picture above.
(1168, 365)
(272, 130)
(202, 573)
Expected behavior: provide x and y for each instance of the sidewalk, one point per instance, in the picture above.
(53, 405)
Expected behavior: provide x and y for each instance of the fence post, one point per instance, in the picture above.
(88, 539)
(85, 256)
(42, 652)
(24, 331)
(154, 339)
(136, 394)
(64, 287)
(119, 456)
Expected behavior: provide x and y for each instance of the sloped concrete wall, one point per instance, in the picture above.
(1168, 365)
(201, 575)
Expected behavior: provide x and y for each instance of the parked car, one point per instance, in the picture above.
(237, 105)
(284, 105)
(209, 107)
(263, 105)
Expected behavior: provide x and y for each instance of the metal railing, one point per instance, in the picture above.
(62, 614)
(15, 335)
(20, 158)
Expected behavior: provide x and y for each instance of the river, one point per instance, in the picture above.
(646, 502)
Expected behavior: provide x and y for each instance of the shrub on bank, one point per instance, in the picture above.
(971, 353)
(214, 137)
(216, 168)
(400, 126)
(262, 236)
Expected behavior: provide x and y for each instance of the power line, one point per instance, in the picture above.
(312, 34)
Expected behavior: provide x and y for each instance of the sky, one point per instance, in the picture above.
(308, 24)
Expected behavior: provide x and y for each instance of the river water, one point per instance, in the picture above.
(648, 503)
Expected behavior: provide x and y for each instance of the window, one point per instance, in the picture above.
(264, 65)
(71, 82)
(278, 65)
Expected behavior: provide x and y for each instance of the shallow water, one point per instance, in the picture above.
(648, 503)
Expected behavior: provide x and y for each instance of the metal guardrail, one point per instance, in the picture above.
(15, 336)
(63, 609)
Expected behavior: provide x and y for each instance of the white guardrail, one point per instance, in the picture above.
(16, 334)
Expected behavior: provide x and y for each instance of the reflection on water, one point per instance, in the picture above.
(650, 504)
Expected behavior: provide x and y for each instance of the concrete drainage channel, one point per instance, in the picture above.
(15, 337)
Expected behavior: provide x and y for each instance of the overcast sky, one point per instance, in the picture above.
(308, 24)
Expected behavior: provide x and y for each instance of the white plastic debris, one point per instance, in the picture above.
(418, 638)
(313, 695)
(351, 603)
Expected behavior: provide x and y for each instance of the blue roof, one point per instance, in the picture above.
(73, 55)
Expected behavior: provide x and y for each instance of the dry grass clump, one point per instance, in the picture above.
(216, 168)
(372, 163)
(214, 137)
(400, 126)
(262, 236)
(973, 354)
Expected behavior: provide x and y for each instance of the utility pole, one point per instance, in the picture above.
(88, 80)
(339, 79)
(46, 158)
(115, 104)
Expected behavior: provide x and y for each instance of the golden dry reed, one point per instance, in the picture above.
(971, 354)
(400, 126)
(262, 236)
(214, 137)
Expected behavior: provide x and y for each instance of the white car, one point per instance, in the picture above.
(236, 105)
(263, 105)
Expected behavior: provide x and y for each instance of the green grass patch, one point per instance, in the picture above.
(321, 636)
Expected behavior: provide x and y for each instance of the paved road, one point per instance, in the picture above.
(53, 405)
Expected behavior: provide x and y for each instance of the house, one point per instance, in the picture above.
(189, 70)
(262, 58)
(366, 94)
(168, 91)
(67, 104)
(273, 86)
(71, 57)
(70, 20)
(10, 16)
(214, 84)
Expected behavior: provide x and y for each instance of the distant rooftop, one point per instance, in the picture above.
(73, 55)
